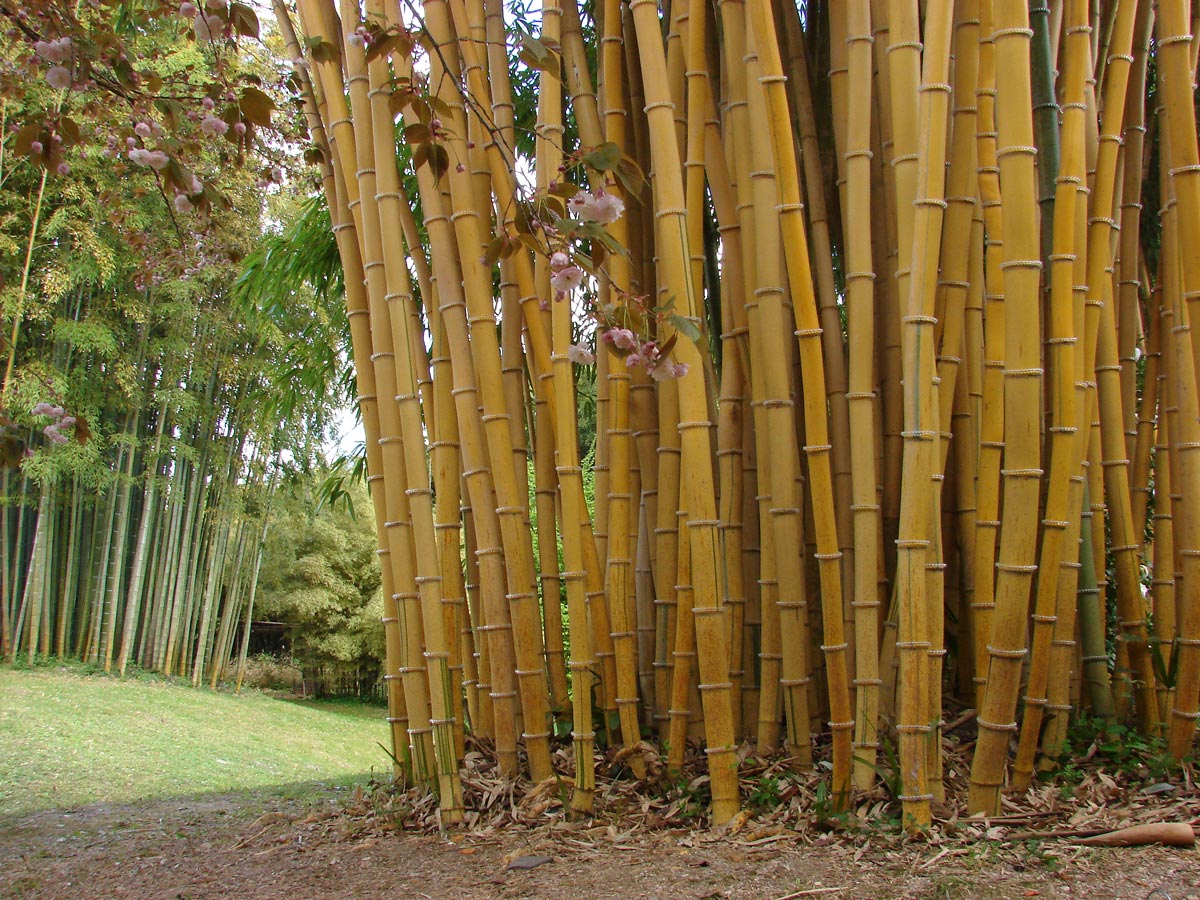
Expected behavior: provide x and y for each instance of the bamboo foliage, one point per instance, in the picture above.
(959, 412)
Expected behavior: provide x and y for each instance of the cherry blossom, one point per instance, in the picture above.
(579, 354)
(208, 28)
(598, 206)
(52, 432)
(622, 339)
(59, 78)
(155, 159)
(567, 279)
(213, 125)
(665, 370)
(54, 51)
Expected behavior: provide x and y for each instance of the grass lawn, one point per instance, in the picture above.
(68, 739)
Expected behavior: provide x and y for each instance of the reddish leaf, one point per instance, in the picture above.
(256, 106)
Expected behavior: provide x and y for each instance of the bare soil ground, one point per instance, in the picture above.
(260, 848)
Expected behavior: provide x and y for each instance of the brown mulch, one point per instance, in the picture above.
(646, 840)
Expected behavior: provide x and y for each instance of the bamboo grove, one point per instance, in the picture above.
(896, 392)
(137, 542)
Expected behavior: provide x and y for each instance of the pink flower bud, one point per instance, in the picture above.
(130, 143)
(63, 169)
(559, 260)
(239, 128)
(36, 147)
(207, 103)
(187, 10)
(141, 129)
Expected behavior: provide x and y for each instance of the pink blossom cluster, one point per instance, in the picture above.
(596, 206)
(359, 38)
(54, 51)
(210, 124)
(644, 354)
(208, 25)
(155, 159)
(61, 420)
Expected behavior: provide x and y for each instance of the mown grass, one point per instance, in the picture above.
(69, 739)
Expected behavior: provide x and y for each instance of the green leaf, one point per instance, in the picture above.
(495, 249)
(321, 50)
(440, 106)
(565, 189)
(631, 176)
(172, 111)
(604, 158)
(686, 327)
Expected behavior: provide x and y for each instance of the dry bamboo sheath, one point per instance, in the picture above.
(895, 405)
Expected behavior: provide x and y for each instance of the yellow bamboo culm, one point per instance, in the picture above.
(665, 398)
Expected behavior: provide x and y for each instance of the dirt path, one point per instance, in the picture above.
(222, 847)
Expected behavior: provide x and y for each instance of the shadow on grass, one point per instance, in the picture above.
(247, 803)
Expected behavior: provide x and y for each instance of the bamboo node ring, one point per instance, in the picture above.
(1002, 653)
(995, 726)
